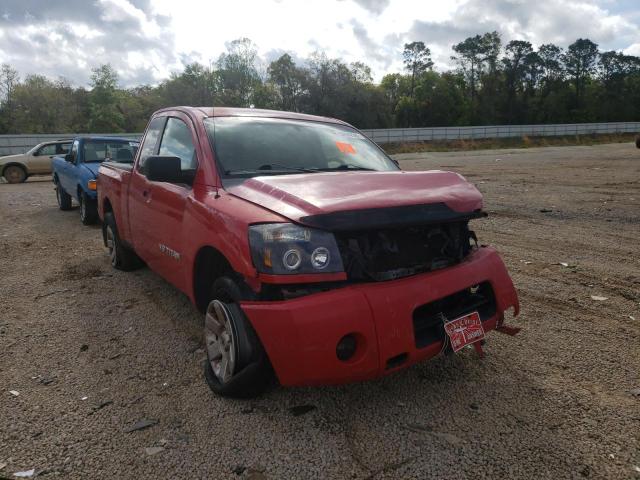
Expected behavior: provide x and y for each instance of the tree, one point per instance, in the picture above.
(515, 69)
(238, 73)
(417, 60)
(551, 61)
(289, 82)
(8, 81)
(475, 55)
(579, 60)
(104, 113)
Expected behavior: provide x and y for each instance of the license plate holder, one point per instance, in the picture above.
(464, 330)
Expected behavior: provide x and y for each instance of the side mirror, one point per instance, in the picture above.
(163, 169)
(69, 157)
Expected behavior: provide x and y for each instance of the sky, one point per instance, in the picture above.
(146, 40)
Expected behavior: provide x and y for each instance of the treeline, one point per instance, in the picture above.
(491, 84)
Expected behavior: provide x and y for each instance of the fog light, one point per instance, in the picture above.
(346, 347)
(291, 259)
(320, 258)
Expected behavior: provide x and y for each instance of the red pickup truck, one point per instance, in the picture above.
(310, 253)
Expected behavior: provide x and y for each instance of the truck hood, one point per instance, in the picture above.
(92, 167)
(343, 200)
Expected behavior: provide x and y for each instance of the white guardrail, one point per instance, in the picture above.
(10, 144)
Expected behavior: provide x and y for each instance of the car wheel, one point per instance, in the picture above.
(638, 141)
(15, 174)
(237, 365)
(64, 199)
(88, 210)
(120, 256)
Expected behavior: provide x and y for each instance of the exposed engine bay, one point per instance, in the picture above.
(387, 254)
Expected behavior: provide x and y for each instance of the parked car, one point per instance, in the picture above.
(309, 252)
(74, 174)
(36, 161)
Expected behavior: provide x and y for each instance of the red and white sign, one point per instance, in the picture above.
(464, 331)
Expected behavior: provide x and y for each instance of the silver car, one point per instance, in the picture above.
(37, 161)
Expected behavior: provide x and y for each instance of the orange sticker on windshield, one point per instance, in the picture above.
(345, 147)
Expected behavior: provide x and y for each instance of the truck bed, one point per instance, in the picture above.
(113, 187)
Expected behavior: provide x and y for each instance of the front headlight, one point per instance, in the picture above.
(285, 248)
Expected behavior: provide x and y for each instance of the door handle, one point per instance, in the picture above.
(145, 193)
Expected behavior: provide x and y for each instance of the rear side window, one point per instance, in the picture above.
(62, 148)
(150, 140)
(177, 142)
(47, 150)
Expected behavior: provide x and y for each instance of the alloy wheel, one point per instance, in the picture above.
(111, 246)
(220, 341)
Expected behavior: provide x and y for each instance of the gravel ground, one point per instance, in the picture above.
(91, 351)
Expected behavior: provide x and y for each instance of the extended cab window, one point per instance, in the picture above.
(150, 140)
(177, 142)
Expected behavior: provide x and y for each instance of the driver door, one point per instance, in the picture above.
(65, 172)
(157, 208)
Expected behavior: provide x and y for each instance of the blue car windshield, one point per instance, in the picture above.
(101, 150)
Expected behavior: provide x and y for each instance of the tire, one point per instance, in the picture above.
(638, 141)
(120, 256)
(64, 199)
(88, 209)
(229, 336)
(15, 174)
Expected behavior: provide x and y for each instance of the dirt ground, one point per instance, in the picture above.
(91, 351)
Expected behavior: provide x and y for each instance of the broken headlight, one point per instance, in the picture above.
(285, 249)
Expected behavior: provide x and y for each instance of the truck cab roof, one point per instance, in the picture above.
(204, 112)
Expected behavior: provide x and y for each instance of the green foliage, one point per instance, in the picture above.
(491, 85)
(105, 114)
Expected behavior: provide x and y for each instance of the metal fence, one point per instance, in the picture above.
(10, 144)
(401, 135)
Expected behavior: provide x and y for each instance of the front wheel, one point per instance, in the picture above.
(237, 365)
(15, 174)
(63, 198)
(88, 210)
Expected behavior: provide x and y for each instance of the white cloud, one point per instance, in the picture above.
(147, 39)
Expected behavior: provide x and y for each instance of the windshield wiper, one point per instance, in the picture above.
(269, 166)
(346, 166)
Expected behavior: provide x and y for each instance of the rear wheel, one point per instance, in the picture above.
(120, 256)
(237, 365)
(64, 199)
(15, 174)
(88, 210)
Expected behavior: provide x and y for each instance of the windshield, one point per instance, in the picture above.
(100, 150)
(252, 146)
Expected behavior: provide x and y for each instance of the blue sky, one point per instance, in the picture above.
(145, 40)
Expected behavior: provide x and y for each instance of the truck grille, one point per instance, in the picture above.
(428, 319)
(388, 254)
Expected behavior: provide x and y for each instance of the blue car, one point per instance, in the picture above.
(75, 173)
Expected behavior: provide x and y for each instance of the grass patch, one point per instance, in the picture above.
(512, 142)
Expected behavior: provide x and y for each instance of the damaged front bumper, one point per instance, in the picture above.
(393, 322)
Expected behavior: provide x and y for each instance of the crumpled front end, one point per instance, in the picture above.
(392, 324)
